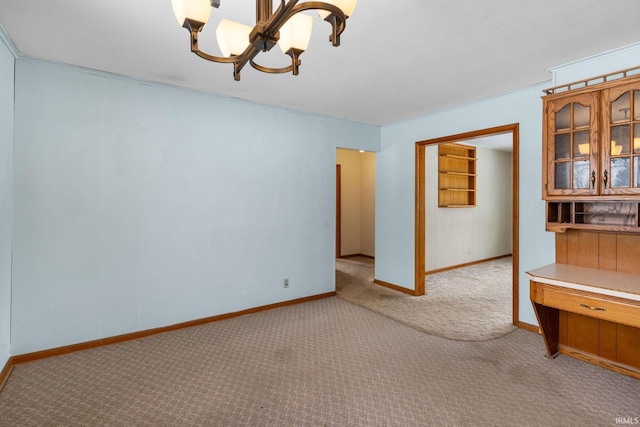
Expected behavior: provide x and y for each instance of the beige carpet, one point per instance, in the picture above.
(471, 303)
(322, 363)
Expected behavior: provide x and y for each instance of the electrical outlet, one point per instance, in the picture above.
(469, 251)
(285, 283)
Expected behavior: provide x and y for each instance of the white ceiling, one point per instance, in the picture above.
(398, 59)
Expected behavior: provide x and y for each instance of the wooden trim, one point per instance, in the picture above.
(466, 264)
(599, 361)
(420, 220)
(420, 197)
(357, 255)
(6, 371)
(515, 223)
(471, 135)
(529, 327)
(596, 83)
(395, 287)
(29, 357)
(338, 211)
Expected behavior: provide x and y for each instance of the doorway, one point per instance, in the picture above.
(420, 197)
(355, 203)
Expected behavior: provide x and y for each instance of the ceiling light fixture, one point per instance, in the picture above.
(285, 26)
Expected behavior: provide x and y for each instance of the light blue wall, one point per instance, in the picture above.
(395, 182)
(7, 60)
(395, 179)
(139, 206)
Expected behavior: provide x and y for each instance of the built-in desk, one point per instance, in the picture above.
(590, 314)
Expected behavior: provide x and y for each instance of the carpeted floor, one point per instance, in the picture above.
(471, 303)
(322, 363)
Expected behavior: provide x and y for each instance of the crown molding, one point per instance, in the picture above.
(7, 41)
(606, 53)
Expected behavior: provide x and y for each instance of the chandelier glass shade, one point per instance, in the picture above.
(296, 33)
(286, 26)
(347, 6)
(233, 38)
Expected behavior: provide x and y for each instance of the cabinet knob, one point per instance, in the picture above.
(605, 178)
(593, 179)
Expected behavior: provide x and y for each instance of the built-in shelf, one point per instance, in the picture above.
(593, 215)
(455, 156)
(457, 176)
(459, 173)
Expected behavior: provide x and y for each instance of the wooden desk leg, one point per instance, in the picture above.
(549, 321)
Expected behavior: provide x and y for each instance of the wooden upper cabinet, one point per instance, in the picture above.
(592, 141)
(571, 148)
(621, 140)
(591, 155)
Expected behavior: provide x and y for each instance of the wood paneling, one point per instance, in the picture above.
(604, 251)
(562, 335)
(608, 247)
(628, 346)
(628, 253)
(580, 335)
(607, 338)
(561, 248)
(582, 249)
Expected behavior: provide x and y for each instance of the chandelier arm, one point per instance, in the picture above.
(285, 11)
(267, 31)
(309, 5)
(194, 27)
(264, 9)
(271, 70)
(245, 57)
(213, 58)
(280, 16)
(337, 18)
(238, 61)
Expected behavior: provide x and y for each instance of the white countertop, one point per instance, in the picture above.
(613, 283)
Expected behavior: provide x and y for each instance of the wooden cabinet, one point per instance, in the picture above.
(588, 303)
(590, 314)
(457, 176)
(592, 140)
(571, 148)
(591, 153)
(621, 140)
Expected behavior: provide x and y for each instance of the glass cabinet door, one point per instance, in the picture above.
(571, 138)
(621, 140)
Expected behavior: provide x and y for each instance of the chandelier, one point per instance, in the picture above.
(286, 27)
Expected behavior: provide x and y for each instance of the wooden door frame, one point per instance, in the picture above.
(338, 211)
(420, 199)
